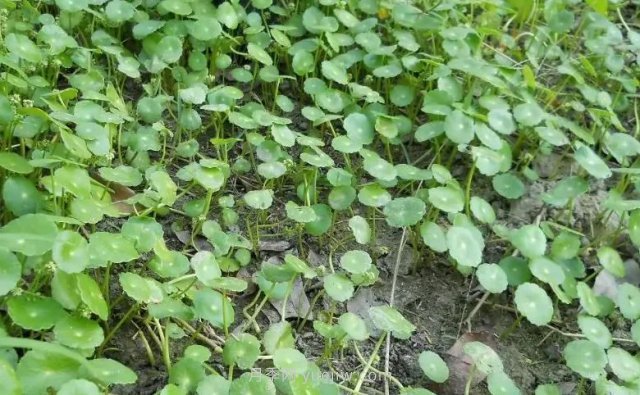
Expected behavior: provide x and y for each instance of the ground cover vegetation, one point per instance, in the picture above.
(199, 187)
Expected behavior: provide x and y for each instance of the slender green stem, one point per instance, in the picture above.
(372, 358)
(467, 387)
(115, 329)
(468, 190)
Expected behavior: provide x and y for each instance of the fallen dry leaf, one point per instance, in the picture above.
(119, 194)
(274, 246)
(460, 364)
(607, 284)
(184, 236)
(298, 305)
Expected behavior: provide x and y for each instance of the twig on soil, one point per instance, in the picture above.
(464, 308)
(210, 342)
(403, 239)
(476, 309)
(578, 335)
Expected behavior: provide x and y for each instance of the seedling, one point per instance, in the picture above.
(178, 168)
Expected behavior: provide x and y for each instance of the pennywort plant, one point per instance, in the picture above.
(177, 168)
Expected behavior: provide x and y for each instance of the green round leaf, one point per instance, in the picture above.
(482, 210)
(379, 168)
(516, 269)
(31, 234)
(70, 252)
(509, 186)
(323, 221)
(373, 195)
(463, 246)
(72, 5)
(213, 307)
(341, 197)
(140, 289)
(354, 326)
(355, 261)
(125, 175)
(565, 190)
(530, 241)
(623, 364)
(501, 384)
(91, 295)
(433, 236)
(213, 385)
(528, 114)
(10, 272)
(534, 303)
(358, 128)
(301, 214)
(34, 312)
(405, 211)
(388, 319)
(185, 374)
(252, 383)
(492, 277)
(402, 95)
(242, 350)
(565, 246)
(259, 54)
(119, 11)
(548, 389)
(459, 127)
(338, 287)
(20, 196)
(204, 28)
(270, 170)
(361, 229)
(15, 163)
(585, 358)
(592, 163)
(60, 369)
(635, 332)
(78, 332)
(290, 361)
(595, 330)
(501, 121)
(278, 335)
(169, 265)
(112, 247)
(546, 270)
(448, 199)
(79, 387)
(108, 371)
(206, 267)
(23, 47)
(433, 366)
(628, 301)
(485, 358)
(170, 48)
(260, 199)
(345, 145)
(611, 261)
(335, 72)
(143, 231)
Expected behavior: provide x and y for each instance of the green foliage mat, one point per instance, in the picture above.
(126, 126)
